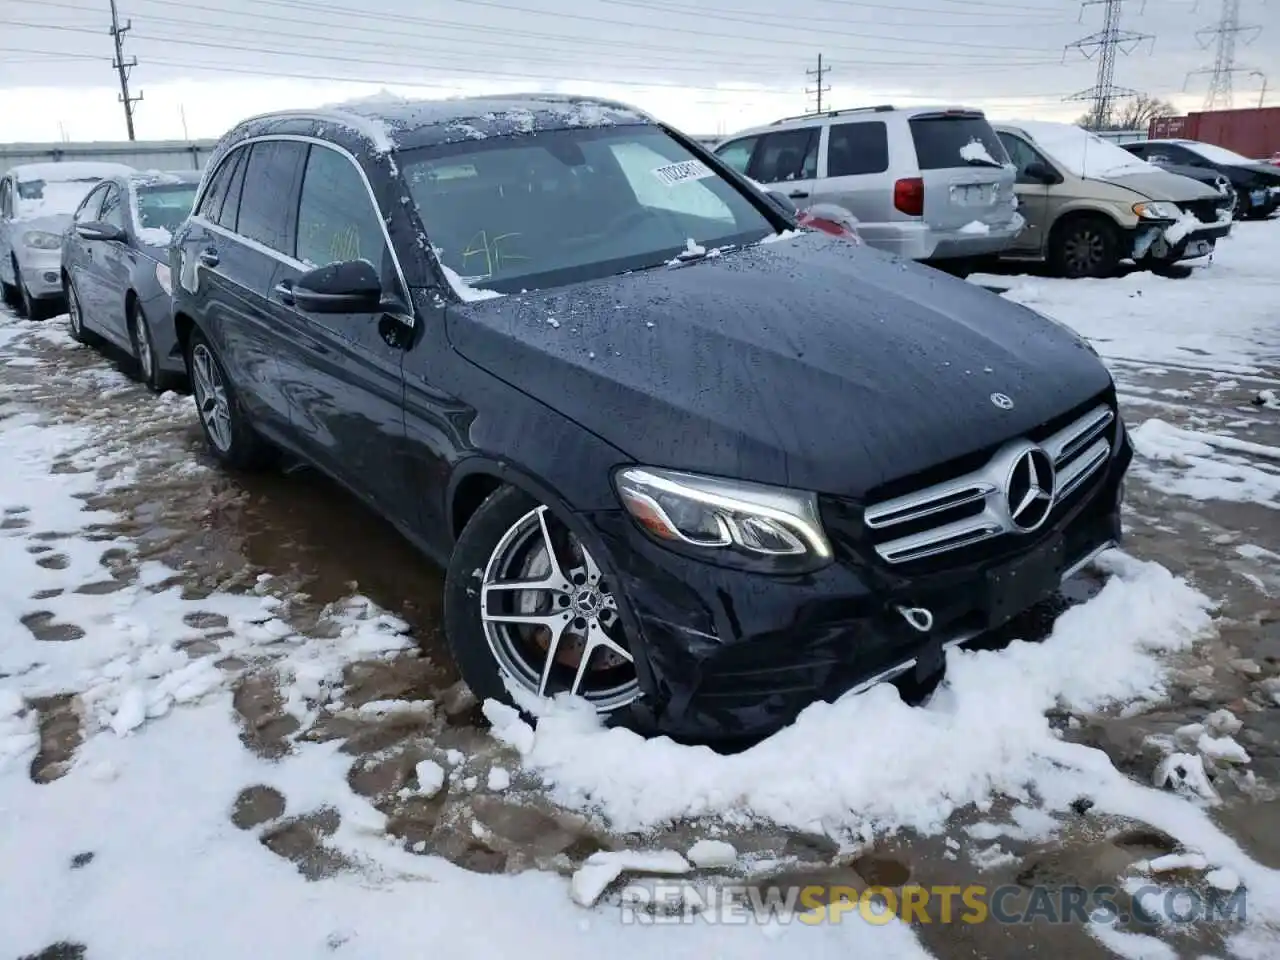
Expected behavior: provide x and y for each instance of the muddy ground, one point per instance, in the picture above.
(312, 542)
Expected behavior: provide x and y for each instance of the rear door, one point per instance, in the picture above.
(787, 161)
(962, 163)
(856, 173)
(342, 378)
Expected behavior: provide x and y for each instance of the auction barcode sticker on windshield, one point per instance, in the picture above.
(673, 173)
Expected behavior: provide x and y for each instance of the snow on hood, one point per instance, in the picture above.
(70, 170)
(1081, 152)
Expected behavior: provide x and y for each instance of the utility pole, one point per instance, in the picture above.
(122, 68)
(819, 89)
(1104, 44)
(1222, 73)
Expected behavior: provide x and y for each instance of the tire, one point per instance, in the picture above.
(146, 366)
(28, 306)
(1244, 206)
(231, 440)
(75, 316)
(1085, 247)
(503, 541)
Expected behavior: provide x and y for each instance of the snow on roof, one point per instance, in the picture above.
(164, 178)
(70, 170)
(1081, 152)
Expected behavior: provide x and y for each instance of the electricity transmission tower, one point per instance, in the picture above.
(1104, 44)
(819, 89)
(122, 68)
(1224, 69)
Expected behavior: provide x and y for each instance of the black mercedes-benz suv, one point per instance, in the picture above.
(678, 458)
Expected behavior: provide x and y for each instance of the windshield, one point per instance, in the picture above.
(46, 198)
(1218, 154)
(557, 207)
(164, 207)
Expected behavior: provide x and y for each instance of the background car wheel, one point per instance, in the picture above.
(28, 306)
(230, 436)
(526, 603)
(1244, 206)
(1085, 247)
(75, 316)
(147, 365)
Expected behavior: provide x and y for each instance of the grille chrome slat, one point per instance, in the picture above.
(1078, 451)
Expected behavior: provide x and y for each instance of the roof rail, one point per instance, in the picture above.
(882, 108)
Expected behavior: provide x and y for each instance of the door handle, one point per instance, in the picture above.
(798, 194)
(284, 290)
(209, 257)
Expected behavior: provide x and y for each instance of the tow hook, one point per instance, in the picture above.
(919, 618)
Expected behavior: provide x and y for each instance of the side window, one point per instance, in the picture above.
(857, 148)
(1022, 154)
(737, 153)
(215, 194)
(267, 202)
(230, 208)
(91, 207)
(336, 216)
(1186, 157)
(5, 204)
(786, 155)
(691, 197)
(113, 211)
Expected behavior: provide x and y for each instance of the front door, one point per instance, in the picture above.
(342, 378)
(1033, 195)
(101, 286)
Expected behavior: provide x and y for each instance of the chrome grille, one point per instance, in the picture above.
(974, 507)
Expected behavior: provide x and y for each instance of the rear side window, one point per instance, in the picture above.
(856, 148)
(738, 153)
(268, 202)
(946, 142)
(786, 155)
(336, 217)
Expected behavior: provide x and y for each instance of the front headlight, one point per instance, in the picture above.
(739, 523)
(1157, 210)
(40, 240)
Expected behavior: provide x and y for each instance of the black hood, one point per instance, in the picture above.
(806, 362)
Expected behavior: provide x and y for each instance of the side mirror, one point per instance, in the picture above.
(783, 201)
(1040, 171)
(349, 286)
(97, 230)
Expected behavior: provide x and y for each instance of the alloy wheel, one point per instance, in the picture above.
(550, 618)
(211, 397)
(142, 345)
(1086, 249)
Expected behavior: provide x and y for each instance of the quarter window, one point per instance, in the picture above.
(267, 199)
(786, 155)
(857, 148)
(336, 217)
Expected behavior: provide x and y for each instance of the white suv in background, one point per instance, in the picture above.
(927, 183)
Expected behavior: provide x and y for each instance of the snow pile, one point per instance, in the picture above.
(1181, 228)
(1190, 464)
(156, 236)
(462, 288)
(1081, 152)
(975, 151)
(976, 228)
(833, 771)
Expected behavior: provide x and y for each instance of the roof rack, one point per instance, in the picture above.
(882, 108)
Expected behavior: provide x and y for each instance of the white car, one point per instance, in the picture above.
(36, 204)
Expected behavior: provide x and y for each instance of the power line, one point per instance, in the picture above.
(1104, 44)
(818, 89)
(122, 68)
(1222, 73)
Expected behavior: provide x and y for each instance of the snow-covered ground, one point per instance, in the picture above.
(127, 843)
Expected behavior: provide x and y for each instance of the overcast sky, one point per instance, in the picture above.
(709, 67)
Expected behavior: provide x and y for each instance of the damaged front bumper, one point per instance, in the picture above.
(724, 654)
(1160, 243)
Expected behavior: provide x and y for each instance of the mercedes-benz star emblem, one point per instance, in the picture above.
(1030, 490)
(1002, 400)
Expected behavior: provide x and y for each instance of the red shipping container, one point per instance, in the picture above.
(1253, 132)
